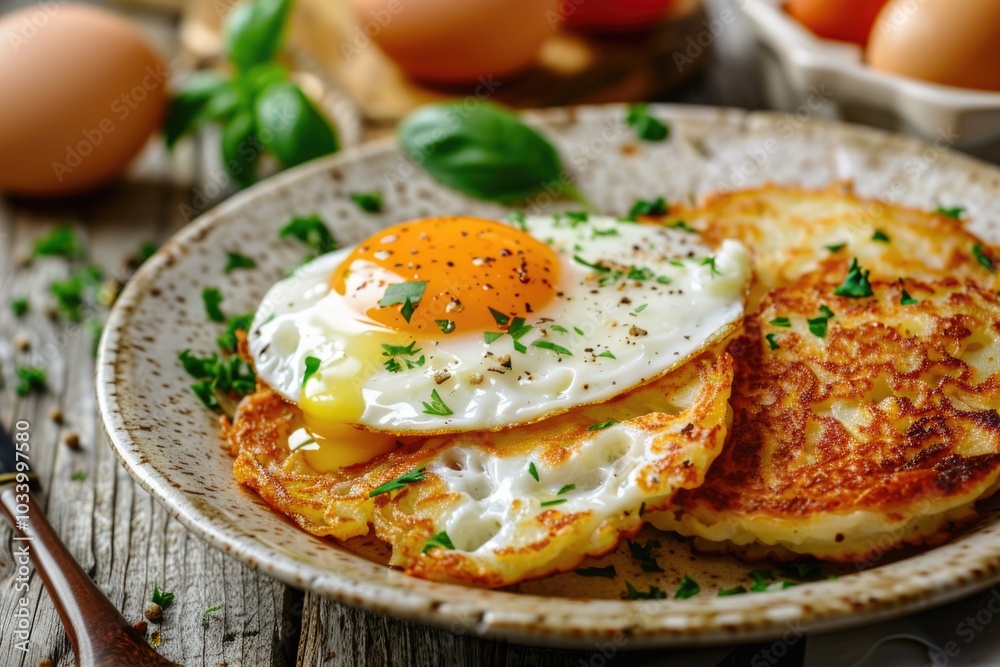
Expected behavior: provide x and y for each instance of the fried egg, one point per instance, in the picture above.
(459, 324)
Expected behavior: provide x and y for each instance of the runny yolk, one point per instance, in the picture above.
(468, 266)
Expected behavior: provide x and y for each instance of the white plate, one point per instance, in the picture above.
(170, 443)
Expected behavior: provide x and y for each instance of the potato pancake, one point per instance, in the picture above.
(494, 508)
(860, 424)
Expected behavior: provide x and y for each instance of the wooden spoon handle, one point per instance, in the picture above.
(99, 634)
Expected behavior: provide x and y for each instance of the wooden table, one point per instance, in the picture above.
(122, 537)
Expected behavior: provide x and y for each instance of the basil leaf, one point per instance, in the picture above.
(485, 152)
(295, 131)
(241, 149)
(187, 107)
(253, 31)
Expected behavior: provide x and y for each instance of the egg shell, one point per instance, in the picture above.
(83, 91)
(459, 41)
(941, 41)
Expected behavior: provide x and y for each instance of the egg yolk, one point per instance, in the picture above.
(453, 270)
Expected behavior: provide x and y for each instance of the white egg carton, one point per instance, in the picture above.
(807, 74)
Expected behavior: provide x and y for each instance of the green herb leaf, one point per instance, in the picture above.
(639, 273)
(398, 483)
(436, 406)
(407, 354)
(30, 379)
(648, 208)
(985, 260)
(208, 612)
(602, 425)
(70, 293)
(809, 571)
(817, 326)
(20, 306)
(565, 489)
(483, 151)
(146, 250)
(187, 109)
(680, 224)
(241, 148)
(532, 470)
(607, 354)
(605, 232)
(312, 365)
(407, 310)
(606, 572)
(548, 345)
(594, 267)
(826, 312)
(228, 340)
(490, 336)
(639, 309)
(688, 588)
(237, 261)
(654, 593)
(836, 248)
(499, 317)
(310, 230)
(574, 218)
(212, 298)
(403, 292)
(162, 598)
(644, 554)
(955, 212)
(880, 236)
(291, 127)
(253, 31)
(441, 540)
(772, 341)
(710, 263)
(907, 300)
(781, 322)
(738, 590)
(855, 285)
(646, 126)
(60, 242)
(550, 503)
(446, 326)
(203, 390)
(760, 579)
(559, 328)
(78, 476)
(369, 202)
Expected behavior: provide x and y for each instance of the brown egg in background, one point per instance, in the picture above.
(81, 91)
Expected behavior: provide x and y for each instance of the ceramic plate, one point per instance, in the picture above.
(170, 443)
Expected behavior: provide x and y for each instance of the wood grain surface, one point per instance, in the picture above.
(123, 539)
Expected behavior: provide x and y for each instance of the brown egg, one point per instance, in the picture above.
(459, 41)
(83, 92)
(951, 42)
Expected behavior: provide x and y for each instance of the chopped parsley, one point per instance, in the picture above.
(738, 590)
(565, 489)
(30, 379)
(491, 336)
(647, 127)
(772, 341)
(639, 273)
(208, 612)
(312, 365)
(602, 425)
(78, 476)
(226, 375)
(825, 310)
(953, 212)
(642, 207)
(907, 300)
(310, 230)
(781, 322)
(499, 317)
(688, 588)
(440, 540)
(228, 340)
(654, 593)
(983, 258)
(203, 390)
(61, 242)
(605, 232)
(550, 503)
(856, 283)
(880, 236)
(593, 267)
(518, 219)
(409, 478)
(818, 325)
(607, 354)
(607, 572)
(578, 330)
(549, 345)
(560, 329)
(407, 354)
(517, 329)
(809, 571)
(533, 471)
(20, 307)
(408, 294)
(663, 280)
(369, 202)
(146, 250)
(69, 293)
(710, 262)
(760, 579)
(436, 406)
(639, 309)
(235, 260)
(212, 298)
(446, 326)
(575, 218)
(162, 598)
(680, 224)
(837, 247)
(644, 554)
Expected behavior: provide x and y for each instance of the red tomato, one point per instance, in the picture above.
(614, 14)
(843, 20)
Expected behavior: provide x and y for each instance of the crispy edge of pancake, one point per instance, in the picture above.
(258, 436)
(931, 491)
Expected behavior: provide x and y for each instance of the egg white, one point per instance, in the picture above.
(644, 328)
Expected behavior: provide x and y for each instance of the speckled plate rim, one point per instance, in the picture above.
(928, 579)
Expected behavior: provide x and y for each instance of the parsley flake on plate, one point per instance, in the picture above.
(550, 503)
(436, 406)
(235, 260)
(781, 322)
(369, 202)
(646, 126)
(647, 208)
(644, 554)
(907, 300)
(441, 540)
(552, 347)
(985, 260)
(818, 325)
(738, 590)
(603, 425)
(606, 572)
(772, 341)
(532, 470)
(212, 298)
(407, 354)
(312, 365)
(654, 593)
(855, 285)
(880, 236)
(687, 588)
(403, 480)
(228, 341)
(952, 212)
(312, 231)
